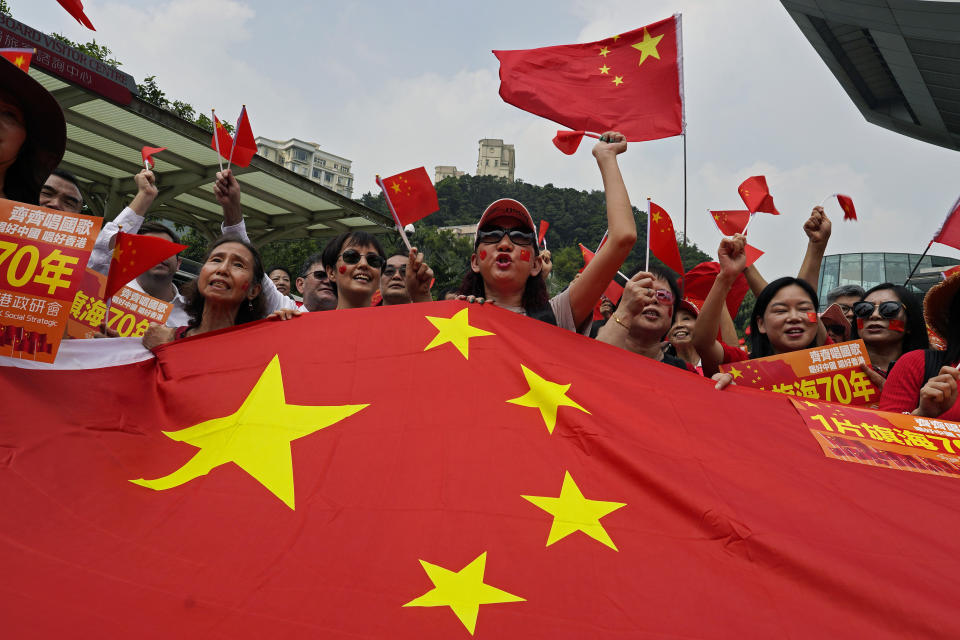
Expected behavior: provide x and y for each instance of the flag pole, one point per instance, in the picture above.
(396, 220)
(216, 139)
(912, 271)
(236, 130)
(683, 124)
(646, 262)
(684, 185)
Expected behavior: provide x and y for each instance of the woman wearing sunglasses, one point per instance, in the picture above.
(650, 301)
(505, 265)
(924, 382)
(890, 322)
(354, 260)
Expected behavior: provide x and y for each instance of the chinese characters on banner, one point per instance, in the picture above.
(131, 311)
(830, 374)
(884, 439)
(43, 254)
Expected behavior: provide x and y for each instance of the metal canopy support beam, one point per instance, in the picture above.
(69, 97)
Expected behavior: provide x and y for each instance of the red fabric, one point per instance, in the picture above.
(19, 57)
(600, 86)
(901, 391)
(544, 225)
(734, 524)
(663, 239)
(753, 254)
(412, 195)
(222, 138)
(75, 9)
(756, 195)
(949, 233)
(568, 141)
(846, 203)
(586, 253)
(730, 222)
(147, 153)
(132, 255)
(698, 281)
(733, 354)
(244, 145)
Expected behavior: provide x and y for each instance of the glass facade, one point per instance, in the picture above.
(870, 269)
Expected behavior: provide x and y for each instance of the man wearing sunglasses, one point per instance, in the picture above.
(319, 293)
(393, 280)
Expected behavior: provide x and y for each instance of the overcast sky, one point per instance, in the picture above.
(393, 86)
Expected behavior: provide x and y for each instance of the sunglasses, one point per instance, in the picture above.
(888, 309)
(318, 275)
(352, 256)
(389, 271)
(492, 235)
(664, 296)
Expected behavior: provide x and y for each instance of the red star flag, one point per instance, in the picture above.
(147, 154)
(410, 195)
(756, 195)
(846, 203)
(244, 145)
(75, 9)
(949, 233)
(662, 239)
(222, 141)
(730, 222)
(242, 486)
(629, 82)
(132, 255)
(19, 57)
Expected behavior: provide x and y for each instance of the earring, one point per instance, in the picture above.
(250, 305)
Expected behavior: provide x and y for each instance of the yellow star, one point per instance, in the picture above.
(256, 438)
(546, 396)
(617, 80)
(647, 47)
(615, 38)
(572, 512)
(463, 591)
(456, 330)
(396, 187)
(736, 373)
(604, 51)
(656, 216)
(604, 69)
(19, 62)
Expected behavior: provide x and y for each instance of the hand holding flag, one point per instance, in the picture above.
(147, 154)
(569, 141)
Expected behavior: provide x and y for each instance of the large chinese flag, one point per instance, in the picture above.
(628, 82)
(411, 195)
(468, 471)
(132, 255)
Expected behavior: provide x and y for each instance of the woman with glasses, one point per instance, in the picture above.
(354, 260)
(646, 311)
(505, 266)
(890, 322)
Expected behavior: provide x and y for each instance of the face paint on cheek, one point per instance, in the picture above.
(812, 317)
(897, 325)
(525, 255)
(860, 323)
(482, 255)
(343, 269)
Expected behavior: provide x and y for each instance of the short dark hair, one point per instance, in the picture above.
(760, 346)
(63, 174)
(156, 227)
(357, 238)
(256, 310)
(312, 259)
(844, 290)
(278, 267)
(915, 337)
(399, 254)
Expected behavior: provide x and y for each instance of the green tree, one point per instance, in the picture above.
(5, 9)
(97, 51)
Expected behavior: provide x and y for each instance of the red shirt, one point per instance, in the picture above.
(901, 392)
(733, 354)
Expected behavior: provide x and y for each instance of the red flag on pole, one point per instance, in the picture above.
(730, 222)
(756, 195)
(569, 141)
(222, 141)
(753, 254)
(19, 57)
(244, 145)
(75, 9)
(132, 255)
(663, 238)
(949, 233)
(630, 83)
(544, 225)
(846, 203)
(147, 154)
(411, 195)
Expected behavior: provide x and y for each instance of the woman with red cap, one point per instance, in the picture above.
(505, 266)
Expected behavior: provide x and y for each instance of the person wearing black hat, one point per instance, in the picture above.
(33, 134)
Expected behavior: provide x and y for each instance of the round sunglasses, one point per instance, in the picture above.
(492, 235)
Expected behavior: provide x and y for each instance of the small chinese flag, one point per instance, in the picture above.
(132, 255)
(753, 254)
(147, 154)
(846, 203)
(587, 254)
(222, 141)
(730, 222)
(569, 141)
(411, 195)
(949, 233)
(19, 57)
(662, 239)
(75, 8)
(629, 82)
(244, 145)
(544, 225)
(757, 196)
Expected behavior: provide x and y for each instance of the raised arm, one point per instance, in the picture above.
(732, 258)
(818, 228)
(129, 219)
(621, 227)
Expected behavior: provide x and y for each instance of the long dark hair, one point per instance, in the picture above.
(257, 307)
(915, 337)
(760, 346)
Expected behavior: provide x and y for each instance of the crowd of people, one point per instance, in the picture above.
(507, 267)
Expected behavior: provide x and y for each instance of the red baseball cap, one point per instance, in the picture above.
(507, 208)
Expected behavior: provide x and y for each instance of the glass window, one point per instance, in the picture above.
(850, 269)
(300, 155)
(898, 267)
(328, 177)
(873, 273)
(317, 173)
(829, 276)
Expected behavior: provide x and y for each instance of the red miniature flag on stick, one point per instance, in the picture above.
(410, 196)
(569, 141)
(661, 238)
(75, 8)
(542, 236)
(132, 255)
(731, 222)
(631, 82)
(222, 140)
(846, 203)
(949, 233)
(19, 57)
(147, 154)
(244, 145)
(757, 196)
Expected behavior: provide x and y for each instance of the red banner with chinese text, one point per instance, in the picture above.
(131, 311)
(43, 254)
(831, 373)
(883, 439)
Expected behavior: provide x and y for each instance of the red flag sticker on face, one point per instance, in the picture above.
(897, 325)
(524, 255)
(812, 317)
